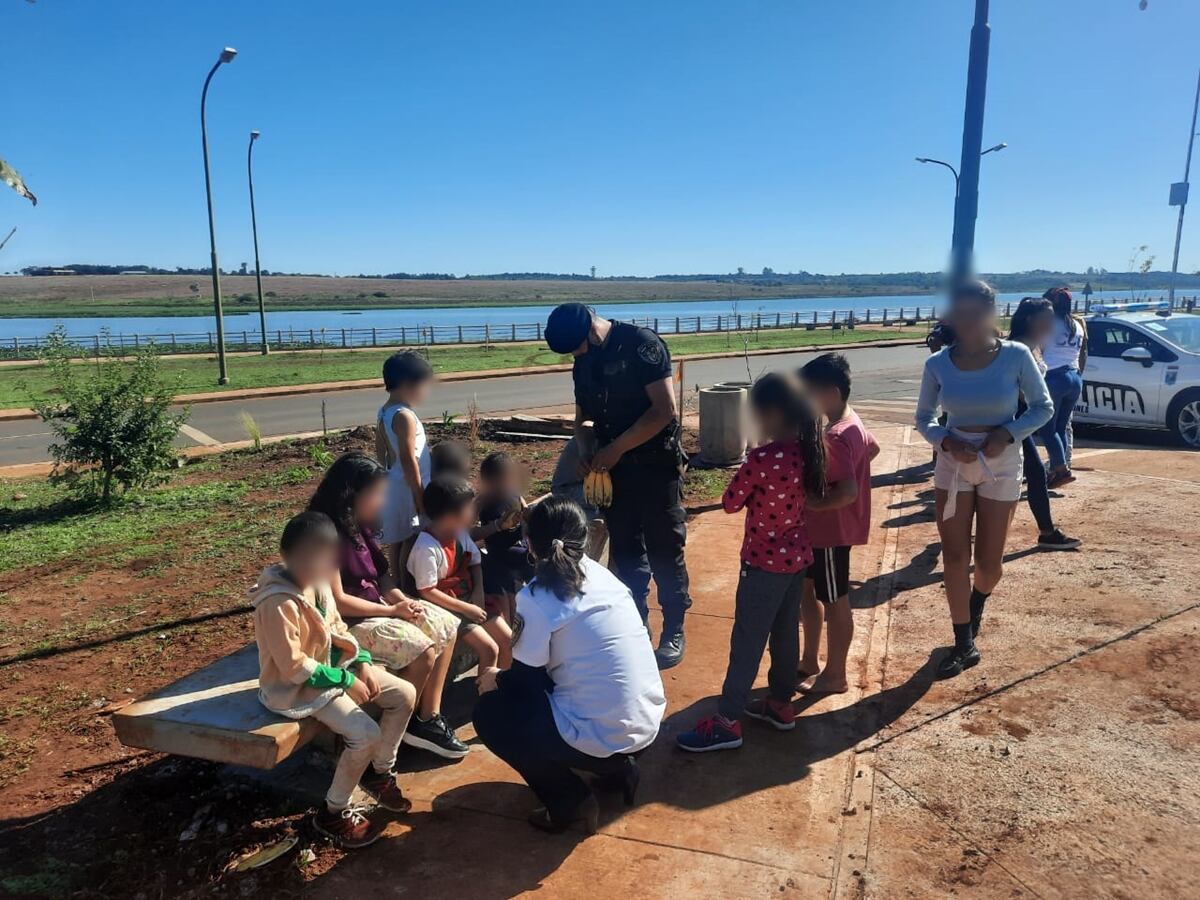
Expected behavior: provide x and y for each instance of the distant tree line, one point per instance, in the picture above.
(1033, 281)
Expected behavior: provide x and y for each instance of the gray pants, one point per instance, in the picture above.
(366, 742)
(768, 610)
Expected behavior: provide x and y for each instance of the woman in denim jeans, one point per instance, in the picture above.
(1065, 354)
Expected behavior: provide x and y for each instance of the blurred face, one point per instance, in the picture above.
(368, 505)
(419, 392)
(510, 481)
(312, 562)
(972, 318)
(827, 399)
(1040, 326)
(773, 425)
(456, 521)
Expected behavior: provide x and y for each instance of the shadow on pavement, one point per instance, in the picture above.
(768, 758)
(920, 571)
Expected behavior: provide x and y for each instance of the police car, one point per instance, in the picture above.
(1143, 369)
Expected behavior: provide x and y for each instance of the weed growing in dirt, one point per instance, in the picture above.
(253, 431)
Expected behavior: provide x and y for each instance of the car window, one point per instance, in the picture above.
(1111, 339)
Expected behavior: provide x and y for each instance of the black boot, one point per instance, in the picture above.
(978, 601)
(671, 647)
(962, 656)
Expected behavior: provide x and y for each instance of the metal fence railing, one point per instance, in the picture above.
(17, 347)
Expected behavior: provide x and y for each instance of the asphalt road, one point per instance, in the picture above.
(879, 373)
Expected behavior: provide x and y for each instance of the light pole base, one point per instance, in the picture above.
(223, 380)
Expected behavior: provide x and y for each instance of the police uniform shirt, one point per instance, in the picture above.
(610, 380)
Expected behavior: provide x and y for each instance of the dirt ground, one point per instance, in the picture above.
(1062, 766)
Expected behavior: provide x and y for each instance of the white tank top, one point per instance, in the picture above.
(1062, 349)
(386, 414)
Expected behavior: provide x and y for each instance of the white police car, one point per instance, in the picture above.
(1143, 369)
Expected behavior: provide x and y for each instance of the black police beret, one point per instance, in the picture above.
(568, 327)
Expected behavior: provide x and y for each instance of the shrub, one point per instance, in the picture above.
(112, 420)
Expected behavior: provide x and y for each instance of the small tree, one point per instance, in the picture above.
(112, 421)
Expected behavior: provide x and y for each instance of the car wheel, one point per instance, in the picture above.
(1185, 418)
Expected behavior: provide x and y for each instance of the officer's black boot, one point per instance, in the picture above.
(671, 646)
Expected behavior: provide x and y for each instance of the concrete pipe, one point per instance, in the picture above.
(724, 414)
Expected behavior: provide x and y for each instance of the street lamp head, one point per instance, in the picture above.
(228, 54)
(995, 149)
(255, 135)
(922, 159)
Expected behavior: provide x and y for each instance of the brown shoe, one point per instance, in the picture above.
(385, 790)
(349, 828)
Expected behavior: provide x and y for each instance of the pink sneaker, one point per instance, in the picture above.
(780, 716)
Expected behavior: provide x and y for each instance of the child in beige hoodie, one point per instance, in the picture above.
(311, 665)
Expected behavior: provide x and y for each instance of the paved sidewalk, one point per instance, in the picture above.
(1062, 766)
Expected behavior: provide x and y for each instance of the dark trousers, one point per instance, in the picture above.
(768, 611)
(647, 530)
(1035, 486)
(519, 728)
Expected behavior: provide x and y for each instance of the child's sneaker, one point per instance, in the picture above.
(780, 716)
(435, 735)
(385, 790)
(349, 827)
(713, 733)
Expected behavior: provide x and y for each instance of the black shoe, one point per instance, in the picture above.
(671, 647)
(588, 814)
(957, 661)
(626, 782)
(435, 735)
(1056, 540)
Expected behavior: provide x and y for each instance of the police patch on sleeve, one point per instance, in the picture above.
(650, 352)
(518, 627)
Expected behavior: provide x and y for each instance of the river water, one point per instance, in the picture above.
(497, 316)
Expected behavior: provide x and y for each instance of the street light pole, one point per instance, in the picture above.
(262, 309)
(966, 206)
(1183, 196)
(227, 55)
(957, 181)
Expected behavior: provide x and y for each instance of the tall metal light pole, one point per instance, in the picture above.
(262, 309)
(1179, 196)
(966, 205)
(227, 55)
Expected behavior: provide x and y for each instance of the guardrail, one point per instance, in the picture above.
(428, 335)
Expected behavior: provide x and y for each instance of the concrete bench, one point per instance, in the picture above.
(214, 714)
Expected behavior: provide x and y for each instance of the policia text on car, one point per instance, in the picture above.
(622, 377)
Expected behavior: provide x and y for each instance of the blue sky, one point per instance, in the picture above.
(554, 135)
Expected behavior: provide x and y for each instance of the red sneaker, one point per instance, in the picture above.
(385, 790)
(349, 828)
(713, 733)
(780, 716)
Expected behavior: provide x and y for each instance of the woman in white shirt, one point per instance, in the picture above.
(1065, 354)
(583, 692)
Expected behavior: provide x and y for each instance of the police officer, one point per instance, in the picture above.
(623, 385)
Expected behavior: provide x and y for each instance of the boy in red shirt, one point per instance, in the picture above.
(839, 520)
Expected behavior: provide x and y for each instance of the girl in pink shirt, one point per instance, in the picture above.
(771, 487)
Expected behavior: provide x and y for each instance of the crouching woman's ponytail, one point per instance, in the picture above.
(557, 533)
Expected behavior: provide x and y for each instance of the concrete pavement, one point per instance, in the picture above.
(884, 372)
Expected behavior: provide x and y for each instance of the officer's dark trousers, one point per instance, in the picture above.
(647, 529)
(519, 728)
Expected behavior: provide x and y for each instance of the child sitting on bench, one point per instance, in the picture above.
(310, 665)
(447, 567)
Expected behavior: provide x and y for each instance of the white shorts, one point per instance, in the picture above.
(998, 478)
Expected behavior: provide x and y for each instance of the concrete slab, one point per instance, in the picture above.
(214, 714)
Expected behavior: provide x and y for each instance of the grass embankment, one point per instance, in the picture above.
(188, 295)
(20, 383)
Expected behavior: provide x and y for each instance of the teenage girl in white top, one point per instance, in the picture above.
(401, 448)
(1065, 354)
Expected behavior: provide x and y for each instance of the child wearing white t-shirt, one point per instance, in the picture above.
(446, 564)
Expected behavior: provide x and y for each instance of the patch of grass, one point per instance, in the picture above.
(51, 878)
(197, 375)
(47, 526)
(705, 485)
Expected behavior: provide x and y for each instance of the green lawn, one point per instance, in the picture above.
(19, 383)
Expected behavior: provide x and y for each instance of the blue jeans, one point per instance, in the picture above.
(1065, 386)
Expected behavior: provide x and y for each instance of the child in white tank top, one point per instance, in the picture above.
(401, 447)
